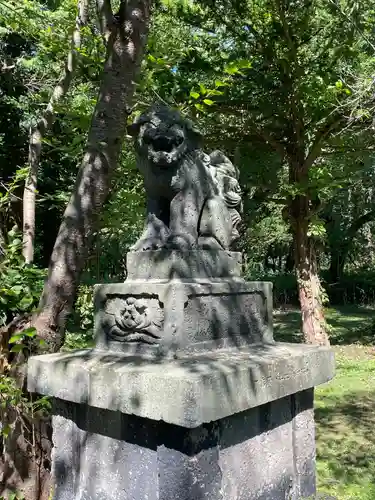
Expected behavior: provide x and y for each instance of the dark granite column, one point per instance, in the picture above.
(262, 453)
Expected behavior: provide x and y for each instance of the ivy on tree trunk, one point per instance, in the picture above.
(310, 291)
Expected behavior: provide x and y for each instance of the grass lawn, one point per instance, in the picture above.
(345, 407)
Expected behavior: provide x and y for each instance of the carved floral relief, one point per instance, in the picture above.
(135, 319)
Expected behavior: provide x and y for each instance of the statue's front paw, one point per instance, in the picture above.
(145, 244)
(209, 243)
(153, 237)
(181, 242)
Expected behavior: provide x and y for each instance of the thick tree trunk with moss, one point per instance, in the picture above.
(314, 326)
(126, 34)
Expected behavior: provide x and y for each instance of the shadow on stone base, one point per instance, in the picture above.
(267, 453)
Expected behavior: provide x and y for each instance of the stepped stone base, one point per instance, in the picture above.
(187, 391)
(179, 317)
(234, 424)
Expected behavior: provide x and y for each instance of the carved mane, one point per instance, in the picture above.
(226, 176)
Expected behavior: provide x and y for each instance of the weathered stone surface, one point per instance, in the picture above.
(186, 396)
(304, 443)
(94, 459)
(172, 264)
(187, 391)
(247, 456)
(264, 464)
(193, 199)
(182, 316)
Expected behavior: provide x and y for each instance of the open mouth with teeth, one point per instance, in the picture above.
(164, 147)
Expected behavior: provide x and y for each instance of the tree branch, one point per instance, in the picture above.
(285, 25)
(357, 224)
(323, 132)
(292, 72)
(105, 16)
(42, 126)
(267, 137)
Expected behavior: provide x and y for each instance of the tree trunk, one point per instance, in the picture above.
(289, 261)
(125, 49)
(2, 240)
(337, 264)
(314, 327)
(340, 246)
(38, 131)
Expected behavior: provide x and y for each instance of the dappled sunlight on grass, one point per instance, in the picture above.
(348, 325)
(345, 407)
(345, 418)
(287, 325)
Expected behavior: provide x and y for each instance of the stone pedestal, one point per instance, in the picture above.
(194, 302)
(265, 452)
(186, 395)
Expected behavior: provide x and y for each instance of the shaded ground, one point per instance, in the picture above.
(345, 407)
(348, 325)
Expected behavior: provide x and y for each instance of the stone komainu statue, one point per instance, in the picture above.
(193, 199)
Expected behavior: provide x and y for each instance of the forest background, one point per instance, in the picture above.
(284, 87)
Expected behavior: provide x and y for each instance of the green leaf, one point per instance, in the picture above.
(26, 302)
(244, 64)
(29, 330)
(5, 432)
(208, 102)
(219, 83)
(231, 69)
(202, 89)
(234, 67)
(215, 92)
(16, 338)
(76, 140)
(194, 95)
(31, 333)
(17, 348)
(200, 107)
